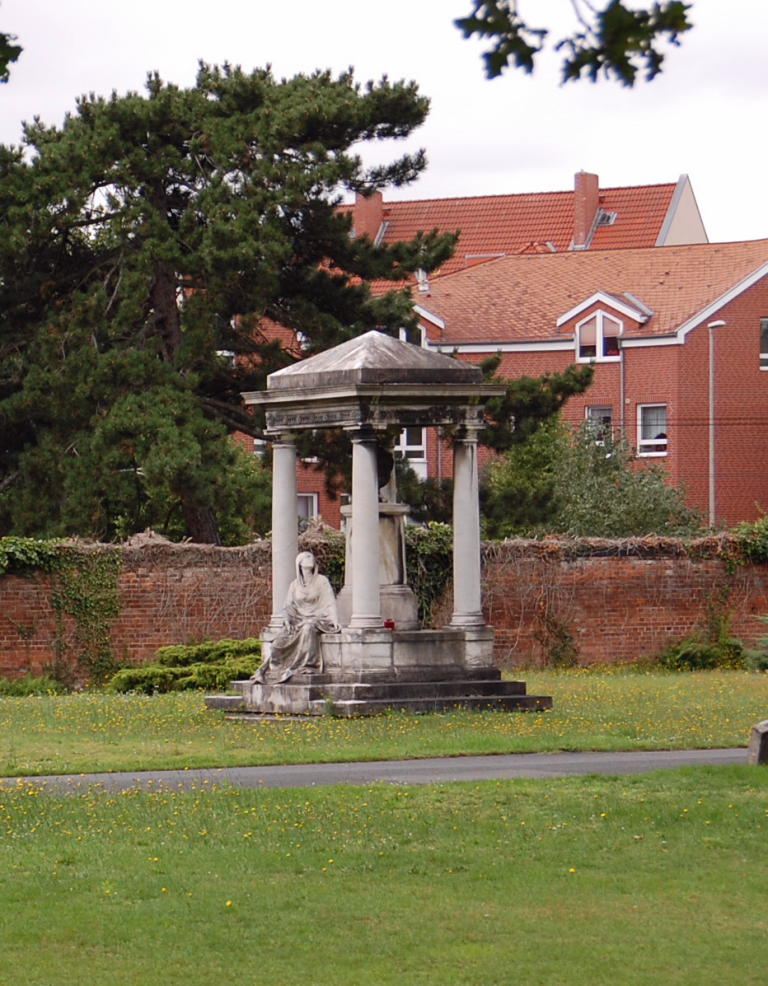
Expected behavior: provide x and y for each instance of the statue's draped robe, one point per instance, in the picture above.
(310, 609)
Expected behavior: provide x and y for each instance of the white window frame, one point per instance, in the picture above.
(600, 318)
(312, 505)
(649, 447)
(403, 333)
(414, 453)
(764, 343)
(596, 421)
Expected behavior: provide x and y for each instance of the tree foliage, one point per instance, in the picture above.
(9, 52)
(144, 243)
(616, 41)
(528, 402)
(584, 485)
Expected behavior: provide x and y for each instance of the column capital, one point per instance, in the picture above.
(468, 433)
(283, 438)
(362, 433)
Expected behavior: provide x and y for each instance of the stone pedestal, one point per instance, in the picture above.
(366, 672)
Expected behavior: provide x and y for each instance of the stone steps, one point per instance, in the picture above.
(349, 708)
(317, 695)
(415, 690)
(228, 703)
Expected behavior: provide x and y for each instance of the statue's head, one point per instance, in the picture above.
(306, 566)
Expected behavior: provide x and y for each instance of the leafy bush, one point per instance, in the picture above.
(582, 484)
(29, 685)
(752, 540)
(188, 667)
(145, 679)
(757, 657)
(692, 654)
(756, 660)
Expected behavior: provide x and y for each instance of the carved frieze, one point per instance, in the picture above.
(378, 416)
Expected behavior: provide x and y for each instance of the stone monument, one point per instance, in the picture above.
(372, 387)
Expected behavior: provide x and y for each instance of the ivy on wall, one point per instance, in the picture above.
(22, 556)
(429, 565)
(84, 586)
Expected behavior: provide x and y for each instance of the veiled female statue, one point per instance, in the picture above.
(310, 609)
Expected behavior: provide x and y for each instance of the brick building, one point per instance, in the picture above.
(498, 228)
(678, 337)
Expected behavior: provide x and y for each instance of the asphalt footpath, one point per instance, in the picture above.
(432, 771)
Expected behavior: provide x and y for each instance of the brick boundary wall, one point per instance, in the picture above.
(169, 593)
(614, 606)
(613, 602)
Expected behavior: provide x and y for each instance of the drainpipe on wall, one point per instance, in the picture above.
(712, 499)
(622, 387)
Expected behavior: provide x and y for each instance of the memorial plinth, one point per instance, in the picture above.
(373, 387)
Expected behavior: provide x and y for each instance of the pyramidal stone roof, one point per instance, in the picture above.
(373, 359)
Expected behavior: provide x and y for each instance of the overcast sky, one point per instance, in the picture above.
(706, 116)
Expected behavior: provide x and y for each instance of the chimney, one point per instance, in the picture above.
(586, 201)
(368, 214)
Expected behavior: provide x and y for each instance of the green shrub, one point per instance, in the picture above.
(216, 676)
(757, 657)
(145, 679)
(692, 654)
(29, 685)
(756, 660)
(752, 540)
(188, 667)
(207, 652)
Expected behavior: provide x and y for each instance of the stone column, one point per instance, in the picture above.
(467, 603)
(285, 525)
(366, 607)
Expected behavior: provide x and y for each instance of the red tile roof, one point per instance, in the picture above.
(521, 297)
(508, 224)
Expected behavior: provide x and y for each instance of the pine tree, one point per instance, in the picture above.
(144, 243)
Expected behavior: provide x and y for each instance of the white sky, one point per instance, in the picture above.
(706, 115)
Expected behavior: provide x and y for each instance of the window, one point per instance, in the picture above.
(651, 429)
(599, 418)
(412, 445)
(227, 357)
(597, 338)
(414, 336)
(307, 505)
(764, 343)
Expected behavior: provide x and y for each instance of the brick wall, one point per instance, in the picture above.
(612, 608)
(169, 594)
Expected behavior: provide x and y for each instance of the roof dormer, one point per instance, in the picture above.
(599, 322)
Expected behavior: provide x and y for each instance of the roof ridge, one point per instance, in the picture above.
(511, 195)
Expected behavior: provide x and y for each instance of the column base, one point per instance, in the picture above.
(467, 620)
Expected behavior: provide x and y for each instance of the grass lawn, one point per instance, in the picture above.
(636, 881)
(619, 710)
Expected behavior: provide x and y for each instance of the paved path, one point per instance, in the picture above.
(431, 771)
